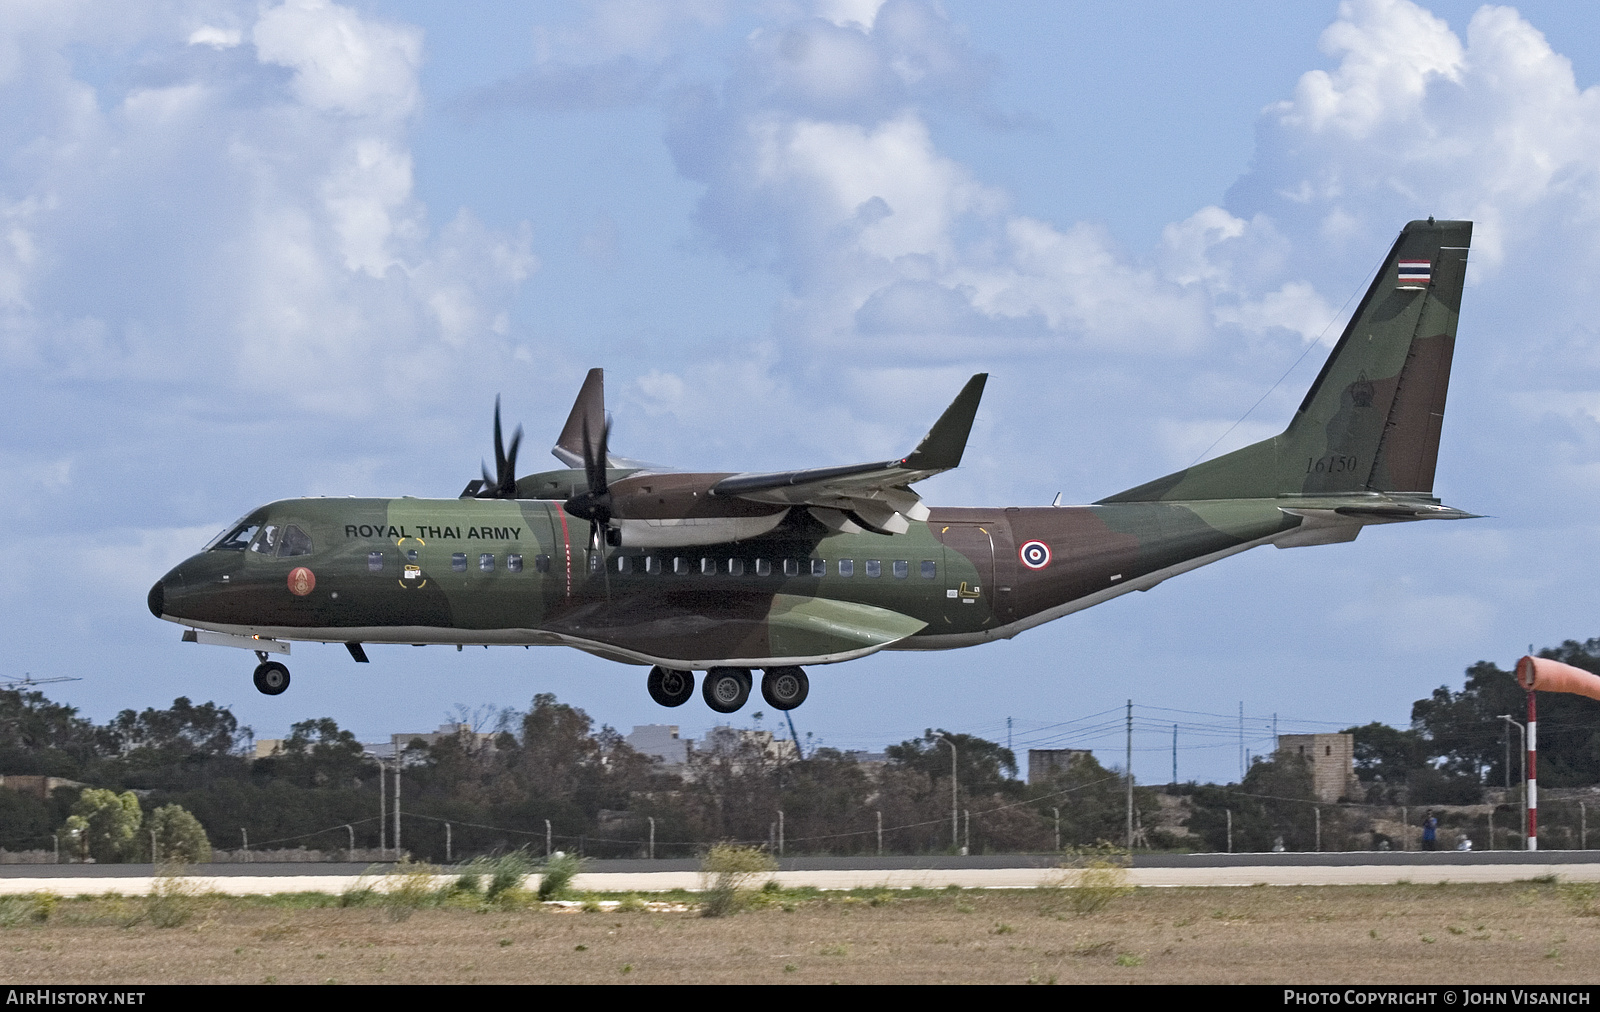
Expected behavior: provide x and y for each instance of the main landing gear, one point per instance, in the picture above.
(271, 677)
(726, 690)
(670, 687)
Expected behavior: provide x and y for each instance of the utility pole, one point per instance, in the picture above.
(383, 810)
(448, 857)
(1057, 812)
(1129, 768)
(547, 839)
(1008, 736)
(1241, 742)
(652, 837)
(1174, 757)
(1526, 746)
(780, 832)
(955, 835)
(879, 814)
(397, 807)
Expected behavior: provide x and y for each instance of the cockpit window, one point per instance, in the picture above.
(267, 542)
(234, 540)
(272, 540)
(295, 542)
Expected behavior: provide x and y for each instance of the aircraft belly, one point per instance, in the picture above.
(697, 627)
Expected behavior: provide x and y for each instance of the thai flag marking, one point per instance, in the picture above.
(1415, 272)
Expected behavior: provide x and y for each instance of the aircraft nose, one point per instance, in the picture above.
(158, 596)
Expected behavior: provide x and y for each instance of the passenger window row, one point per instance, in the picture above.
(682, 566)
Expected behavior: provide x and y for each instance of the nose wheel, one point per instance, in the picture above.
(271, 678)
(670, 687)
(726, 689)
(785, 688)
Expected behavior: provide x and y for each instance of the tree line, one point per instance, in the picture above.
(548, 773)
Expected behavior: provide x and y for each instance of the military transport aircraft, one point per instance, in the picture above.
(726, 573)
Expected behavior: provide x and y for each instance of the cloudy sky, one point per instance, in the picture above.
(251, 251)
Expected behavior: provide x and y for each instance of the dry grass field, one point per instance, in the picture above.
(1527, 932)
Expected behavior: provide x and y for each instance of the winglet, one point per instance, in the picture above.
(942, 447)
(590, 408)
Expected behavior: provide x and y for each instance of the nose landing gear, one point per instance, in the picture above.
(271, 678)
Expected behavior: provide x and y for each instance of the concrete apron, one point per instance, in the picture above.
(972, 878)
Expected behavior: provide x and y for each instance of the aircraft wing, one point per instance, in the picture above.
(875, 496)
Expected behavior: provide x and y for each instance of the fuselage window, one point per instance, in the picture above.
(513, 563)
(235, 540)
(763, 567)
(458, 561)
(624, 563)
(541, 563)
(735, 567)
(486, 562)
(902, 569)
(874, 567)
(708, 567)
(295, 542)
(267, 542)
(374, 562)
(819, 567)
(847, 567)
(930, 569)
(791, 567)
(652, 564)
(680, 565)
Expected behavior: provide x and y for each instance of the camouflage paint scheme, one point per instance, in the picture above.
(1361, 449)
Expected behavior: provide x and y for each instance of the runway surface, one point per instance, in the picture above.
(986, 872)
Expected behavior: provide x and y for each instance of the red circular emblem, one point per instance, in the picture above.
(1034, 554)
(302, 581)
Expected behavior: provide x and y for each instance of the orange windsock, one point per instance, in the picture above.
(1552, 676)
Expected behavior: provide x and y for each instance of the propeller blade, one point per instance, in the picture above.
(503, 483)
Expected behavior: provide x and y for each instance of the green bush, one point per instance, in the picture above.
(104, 825)
(1095, 876)
(726, 873)
(555, 878)
(179, 837)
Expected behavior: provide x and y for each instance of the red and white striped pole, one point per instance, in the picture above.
(1533, 776)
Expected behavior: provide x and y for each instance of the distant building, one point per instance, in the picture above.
(39, 787)
(660, 741)
(1332, 758)
(739, 740)
(1044, 763)
(266, 748)
(471, 741)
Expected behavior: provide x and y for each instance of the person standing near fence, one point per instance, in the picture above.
(1430, 831)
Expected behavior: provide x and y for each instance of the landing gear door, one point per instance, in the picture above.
(968, 575)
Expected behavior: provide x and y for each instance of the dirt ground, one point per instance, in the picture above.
(1529, 932)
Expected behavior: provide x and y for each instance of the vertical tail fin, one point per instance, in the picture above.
(1371, 420)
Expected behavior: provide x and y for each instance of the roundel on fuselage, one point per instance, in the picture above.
(1034, 554)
